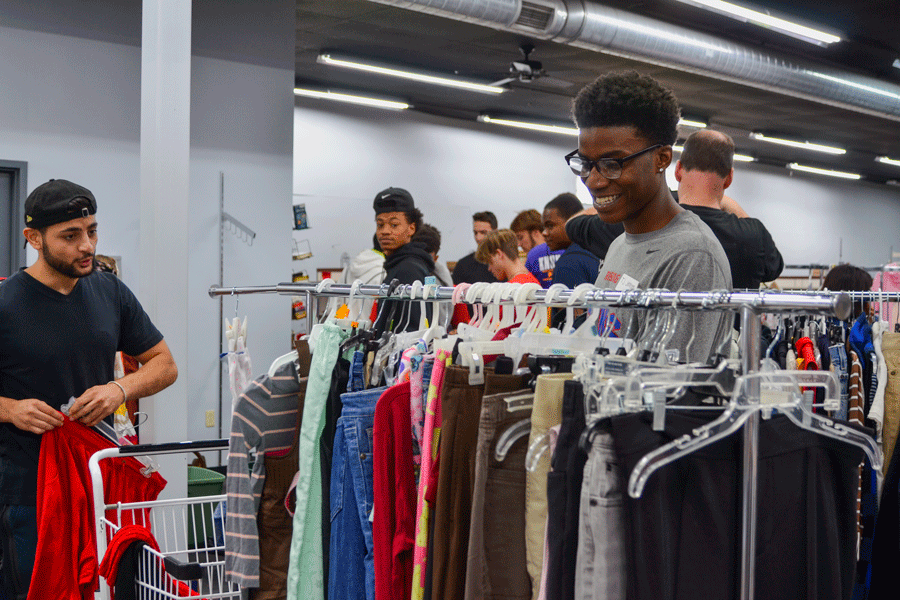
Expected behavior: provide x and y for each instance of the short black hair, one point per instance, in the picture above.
(486, 217)
(566, 204)
(430, 237)
(847, 278)
(708, 151)
(629, 99)
(414, 216)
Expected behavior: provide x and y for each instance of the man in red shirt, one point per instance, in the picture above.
(500, 252)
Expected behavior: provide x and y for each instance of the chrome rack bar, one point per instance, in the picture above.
(832, 303)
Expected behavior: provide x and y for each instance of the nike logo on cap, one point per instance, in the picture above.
(652, 251)
(383, 196)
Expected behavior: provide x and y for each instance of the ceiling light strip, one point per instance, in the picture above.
(692, 123)
(351, 99)
(888, 161)
(572, 131)
(828, 172)
(328, 59)
(780, 25)
(795, 144)
(737, 157)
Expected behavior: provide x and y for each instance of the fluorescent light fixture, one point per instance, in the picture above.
(802, 145)
(817, 171)
(526, 125)
(888, 161)
(896, 63)
(692, 123)
(351, 99)
(658, 33)
(372, 67)
(853, 84)
(737, 157)
(783, 26)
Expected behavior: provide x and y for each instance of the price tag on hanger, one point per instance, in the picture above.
(626, 282)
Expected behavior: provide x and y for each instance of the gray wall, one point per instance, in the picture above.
(343, 155)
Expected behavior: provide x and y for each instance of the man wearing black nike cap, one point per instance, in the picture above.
(397, 219)
(61, 323)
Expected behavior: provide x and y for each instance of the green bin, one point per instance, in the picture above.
(202, 482)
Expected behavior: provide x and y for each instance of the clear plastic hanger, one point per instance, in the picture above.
(150, 465)
(515, 432)
(779, 391)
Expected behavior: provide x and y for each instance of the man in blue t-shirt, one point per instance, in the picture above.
(61, 324)
(540, 262)
(575, 265)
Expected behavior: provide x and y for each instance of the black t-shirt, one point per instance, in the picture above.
(54, 347)
(593, 234)
(469, 270)
(749, 246)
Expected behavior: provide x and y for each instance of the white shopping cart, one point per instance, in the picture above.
(190, 563)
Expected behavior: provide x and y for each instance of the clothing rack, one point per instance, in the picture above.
(750, 305)
(814, 267)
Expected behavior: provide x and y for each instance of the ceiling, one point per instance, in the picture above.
(871, 43)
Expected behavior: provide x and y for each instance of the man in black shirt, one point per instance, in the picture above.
(61, 324)
(703, 173)
(467, 269)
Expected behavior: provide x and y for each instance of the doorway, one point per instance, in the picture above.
(13, 181)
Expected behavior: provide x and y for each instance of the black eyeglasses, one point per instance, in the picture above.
(610, 168)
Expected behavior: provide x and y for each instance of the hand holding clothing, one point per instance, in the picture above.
(31, 414)
(96, 404)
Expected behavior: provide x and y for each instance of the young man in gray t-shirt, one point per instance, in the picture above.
(628, 123)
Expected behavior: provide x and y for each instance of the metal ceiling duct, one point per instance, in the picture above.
(603, 29)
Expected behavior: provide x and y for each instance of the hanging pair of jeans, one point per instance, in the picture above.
(351, 568)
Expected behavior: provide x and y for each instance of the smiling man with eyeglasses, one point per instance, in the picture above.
(628, 123)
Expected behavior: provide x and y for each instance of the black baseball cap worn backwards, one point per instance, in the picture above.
(393, 200)
(54, 202)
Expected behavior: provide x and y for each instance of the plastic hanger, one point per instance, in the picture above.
(281, 361)
(383, 303)
(108, 432)
(577, 297)
(783, 387)
(435, 330)
(510, 436)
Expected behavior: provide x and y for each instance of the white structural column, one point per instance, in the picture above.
(165, 181)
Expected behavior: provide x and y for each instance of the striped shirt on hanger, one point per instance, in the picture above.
(264, 421)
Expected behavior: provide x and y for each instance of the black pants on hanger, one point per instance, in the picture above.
(683, 535)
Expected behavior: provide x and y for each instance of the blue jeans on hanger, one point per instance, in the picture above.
(352, 568)
(839, 363)
(357, 382)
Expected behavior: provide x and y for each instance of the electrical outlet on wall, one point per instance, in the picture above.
(210, 418)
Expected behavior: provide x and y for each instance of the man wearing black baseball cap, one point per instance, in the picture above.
(61, 323)
(397, 219)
